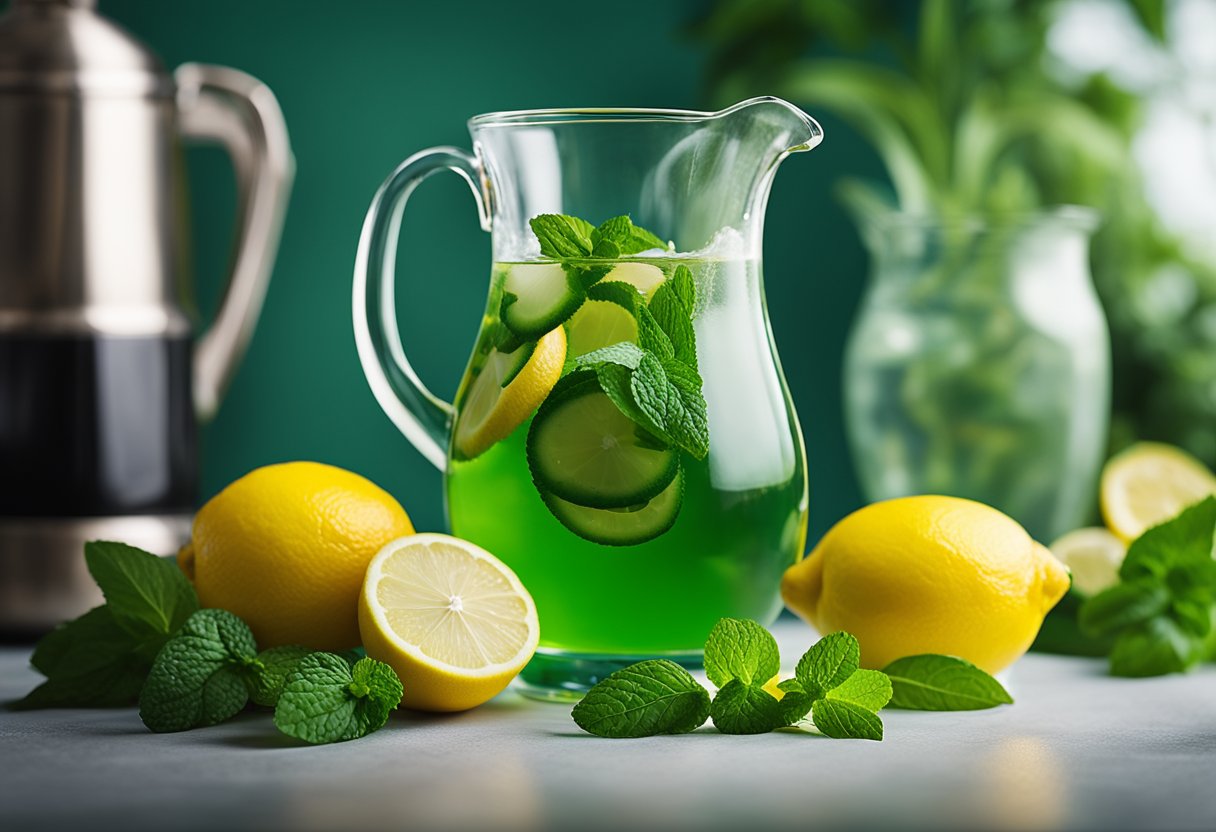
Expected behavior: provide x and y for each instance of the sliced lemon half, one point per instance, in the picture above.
(1093, 555)
(1150, 483)
(504, 394)
(452, 620)
(644, 277)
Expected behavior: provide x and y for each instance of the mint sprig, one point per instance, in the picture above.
(273, 666)
(1161, 612)
(741, 657)
(199, 677)
(326, 700)
(102, 658)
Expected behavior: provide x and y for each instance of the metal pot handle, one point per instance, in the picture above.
(239, 112)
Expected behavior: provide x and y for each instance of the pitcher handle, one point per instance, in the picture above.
(240, 113)
(424, 418)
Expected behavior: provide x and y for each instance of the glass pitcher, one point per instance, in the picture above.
(623, 437)
(979, 365)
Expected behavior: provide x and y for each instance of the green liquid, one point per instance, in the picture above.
(743, 519)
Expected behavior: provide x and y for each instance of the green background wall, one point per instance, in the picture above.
(367, 82)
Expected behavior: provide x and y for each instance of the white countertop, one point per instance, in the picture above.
(1078, 750)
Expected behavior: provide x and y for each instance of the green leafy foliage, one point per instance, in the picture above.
(102, 658)
(970, 115)
(653, 697)
(199, 677)
(741, 657)
(325, 699)
(1161, 611)
(931, 682)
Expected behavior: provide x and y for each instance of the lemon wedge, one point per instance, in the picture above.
(1150, 483)
(1093, 555)
(452, 620)
(503, 394)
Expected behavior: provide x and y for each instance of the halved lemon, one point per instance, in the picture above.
(1093, 555)
(1150, 483)
(504, 394)
(452, 620)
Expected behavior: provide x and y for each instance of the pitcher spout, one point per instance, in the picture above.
(774, 123)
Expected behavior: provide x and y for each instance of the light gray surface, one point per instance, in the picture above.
(1079, 750)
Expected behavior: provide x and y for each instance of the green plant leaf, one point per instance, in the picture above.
(199, 677)
(273, 666)
(1154, 648)
(674, 318)
(932, 682)
(742, 708)
(652, 697)
(871, 689)
(740, 649)
(562, 237)
(845, 720)
(148, 596)
(828, 663)
(1188, 538)
(326, 700)
(1122, 605)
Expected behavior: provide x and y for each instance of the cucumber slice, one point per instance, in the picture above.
(538, 297)
(582, 449)
(621, 526)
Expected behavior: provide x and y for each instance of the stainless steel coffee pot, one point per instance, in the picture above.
(101, 377)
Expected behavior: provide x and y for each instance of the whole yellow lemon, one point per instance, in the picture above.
(285, 547)
(928, 574)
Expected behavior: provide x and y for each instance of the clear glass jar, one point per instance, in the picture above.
(979, 365)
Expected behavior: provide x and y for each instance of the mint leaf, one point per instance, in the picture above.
(931, 682)
(562, 237)
(674, 319)
(828, 664)
(199, 676)
(795, 703)
(616, 381)
(685, 289)
(1121, 606)
(627, 237)
(148, 596)
(1188, 538)
(626, 354)
(1154, 648)
(740, 649)
(742, 708)
(90, 662)
(871, 689)
(272, 667)
(623, 294)
(326, 700)
(656, 696)
(692, 431)
(845, 720)
(651, 336)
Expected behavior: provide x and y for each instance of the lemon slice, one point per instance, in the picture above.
(503, 395)
(642, 276)
(1094, 556)
(452, 620)
(599, 323)
(1150, 483)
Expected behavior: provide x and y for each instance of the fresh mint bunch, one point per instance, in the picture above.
(273, 666)
(325, 699)
(202, 675)
(1161, 612)
(102, 658)
(741, 658)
